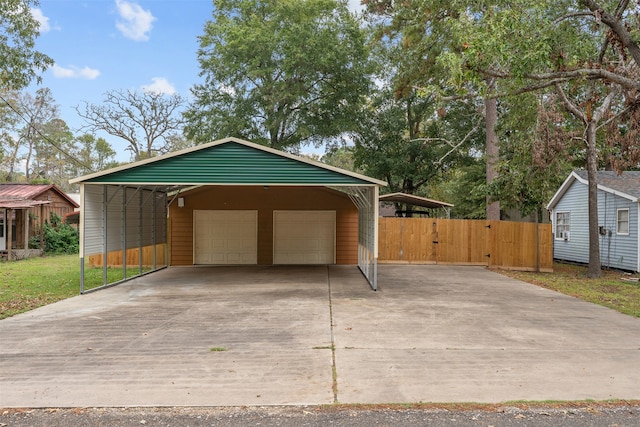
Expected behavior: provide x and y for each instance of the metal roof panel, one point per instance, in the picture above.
(230, 162)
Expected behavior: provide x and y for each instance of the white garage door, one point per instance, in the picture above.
(225, 237)
(304, 237)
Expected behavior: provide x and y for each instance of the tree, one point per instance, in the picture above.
(37, 111)
(147, 121)
(546, 44)
(279, 72)
(52, 151)
(9, 136)
(411, 144)
(417, 35)
(95, 153)
(539, 147)
(19, 61)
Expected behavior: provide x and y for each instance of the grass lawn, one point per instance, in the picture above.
(34, 282)
(609, 290)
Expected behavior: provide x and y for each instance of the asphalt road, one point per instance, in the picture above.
(498, 416)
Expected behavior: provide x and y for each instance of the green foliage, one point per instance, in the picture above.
(465, 188)
(536, 152)
(60, 238)
(411, 143)
(279, 72)
(19, 61)
(341, 157)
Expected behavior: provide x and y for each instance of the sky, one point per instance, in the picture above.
(105, 45)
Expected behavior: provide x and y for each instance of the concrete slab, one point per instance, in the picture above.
(148, 342)
(431, 333)
(459, 334)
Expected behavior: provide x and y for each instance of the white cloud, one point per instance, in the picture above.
(135, 22)
(159, 85)
(42, 20)
(74, 72)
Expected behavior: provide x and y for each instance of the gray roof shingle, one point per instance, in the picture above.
(628, 182)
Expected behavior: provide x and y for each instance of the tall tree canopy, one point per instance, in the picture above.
(585, 51)
(279, 72)
(19, 61)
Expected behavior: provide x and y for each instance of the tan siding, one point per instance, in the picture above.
(265, 200)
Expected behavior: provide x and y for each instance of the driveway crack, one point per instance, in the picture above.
(334, 371)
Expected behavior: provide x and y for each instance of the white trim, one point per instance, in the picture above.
(555, 228)
(575, 177)
(220, 142)
(3, 230)
(229, 184)
(564, 188)
(617, 193)
(638, 236)
(376, 220)
(81, 222)
(618, 222)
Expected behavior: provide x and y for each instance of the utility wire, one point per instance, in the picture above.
(47, 139)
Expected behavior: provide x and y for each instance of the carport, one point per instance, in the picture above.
(126, 212)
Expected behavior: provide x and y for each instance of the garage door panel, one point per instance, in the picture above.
(225, 237)
(304, 237)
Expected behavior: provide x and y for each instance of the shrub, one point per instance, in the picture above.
(60, 238)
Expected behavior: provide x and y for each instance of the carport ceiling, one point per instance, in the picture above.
(232, 161)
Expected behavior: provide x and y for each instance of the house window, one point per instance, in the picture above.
(563, 225)
(623, 221)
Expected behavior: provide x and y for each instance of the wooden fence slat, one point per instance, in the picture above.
(114, 258)
(504, 244)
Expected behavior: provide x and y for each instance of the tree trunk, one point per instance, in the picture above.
(492, 153)
(592, 169)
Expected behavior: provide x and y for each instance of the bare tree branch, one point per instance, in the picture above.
(570, 106)
(147, 120)
(618, 28)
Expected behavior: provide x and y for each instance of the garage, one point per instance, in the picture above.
(304, 237)
(225, 203)
(225, 237)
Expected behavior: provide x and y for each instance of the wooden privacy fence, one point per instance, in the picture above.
(505, 244)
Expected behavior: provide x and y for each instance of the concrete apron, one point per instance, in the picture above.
(264, 336)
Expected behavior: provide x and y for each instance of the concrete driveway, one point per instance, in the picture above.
(264, 336)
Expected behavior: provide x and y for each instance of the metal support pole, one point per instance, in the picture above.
(165, 238)
(105, 202)
(81, 275)
(153, 228)
(140, 214)
(123, 238)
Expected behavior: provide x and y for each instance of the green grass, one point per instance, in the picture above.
(609, 290)
(34, 282)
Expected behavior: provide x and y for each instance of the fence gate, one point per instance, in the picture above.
(516, 245)
(460, 242)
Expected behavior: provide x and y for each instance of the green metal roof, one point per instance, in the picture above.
(229, 161)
